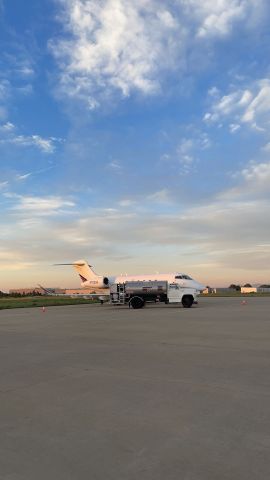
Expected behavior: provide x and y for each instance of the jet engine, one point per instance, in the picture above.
(98, 282)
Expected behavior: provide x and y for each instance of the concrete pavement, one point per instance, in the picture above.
(101, 392)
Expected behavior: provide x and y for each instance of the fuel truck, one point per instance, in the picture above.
(136, 294)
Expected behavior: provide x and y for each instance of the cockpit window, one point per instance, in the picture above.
(183, 277)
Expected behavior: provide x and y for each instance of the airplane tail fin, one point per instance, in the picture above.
(85, 272)
(88, 277)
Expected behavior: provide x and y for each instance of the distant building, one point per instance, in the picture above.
(37, 290)
(26, 291)
(249, 289)
(58, 290)
(255, 289)
(208, 290)
(221, 290)
(244, 290)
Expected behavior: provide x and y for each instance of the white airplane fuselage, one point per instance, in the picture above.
(90, 279)
(185, 281)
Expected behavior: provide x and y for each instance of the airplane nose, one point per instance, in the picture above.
(199, 286)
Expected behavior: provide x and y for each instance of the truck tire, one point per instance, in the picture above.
(187, 301)
(136, 302)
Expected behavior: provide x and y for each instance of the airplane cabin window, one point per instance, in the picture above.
(183, 277)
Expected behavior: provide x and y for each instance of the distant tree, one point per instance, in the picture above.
(264, 286)
(235, 287)
(247, 285)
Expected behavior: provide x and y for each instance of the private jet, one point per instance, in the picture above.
(89, 278)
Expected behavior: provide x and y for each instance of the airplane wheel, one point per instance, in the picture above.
(136, 302)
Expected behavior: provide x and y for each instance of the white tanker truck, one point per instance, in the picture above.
(135, 294)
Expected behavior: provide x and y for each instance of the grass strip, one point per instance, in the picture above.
(26, 302)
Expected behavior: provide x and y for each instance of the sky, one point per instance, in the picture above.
(135, 135)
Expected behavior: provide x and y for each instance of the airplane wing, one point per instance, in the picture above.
(100, 296)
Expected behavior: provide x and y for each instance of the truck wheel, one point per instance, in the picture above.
(136, 302)
(187, 301)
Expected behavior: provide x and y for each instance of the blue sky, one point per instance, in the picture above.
(134, 135)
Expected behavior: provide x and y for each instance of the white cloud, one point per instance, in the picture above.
(161, 196)
(16, 72)
(126, 202)
(186, 145)
(253, 182)
(185, 157)
(234, 127)
(4, 90)
(219, 17)
(46, 145)
(204, 141)
(266, 147)
(257, 171)
(39, 206)
(250, 106)
(7, 127)
(23, 177)
(26, 89)
(213, 92)
(115, 166)
(211, 228)
(189, 149)
(259, 105)
(219, 239)
(3, 113)
(25, 70)
(115, 45)
(127, 46)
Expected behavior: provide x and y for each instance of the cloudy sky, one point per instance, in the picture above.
(134, 134)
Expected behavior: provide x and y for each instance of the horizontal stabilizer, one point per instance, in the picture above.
(74, 263)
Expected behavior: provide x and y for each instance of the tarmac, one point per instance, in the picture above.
(96, 392)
